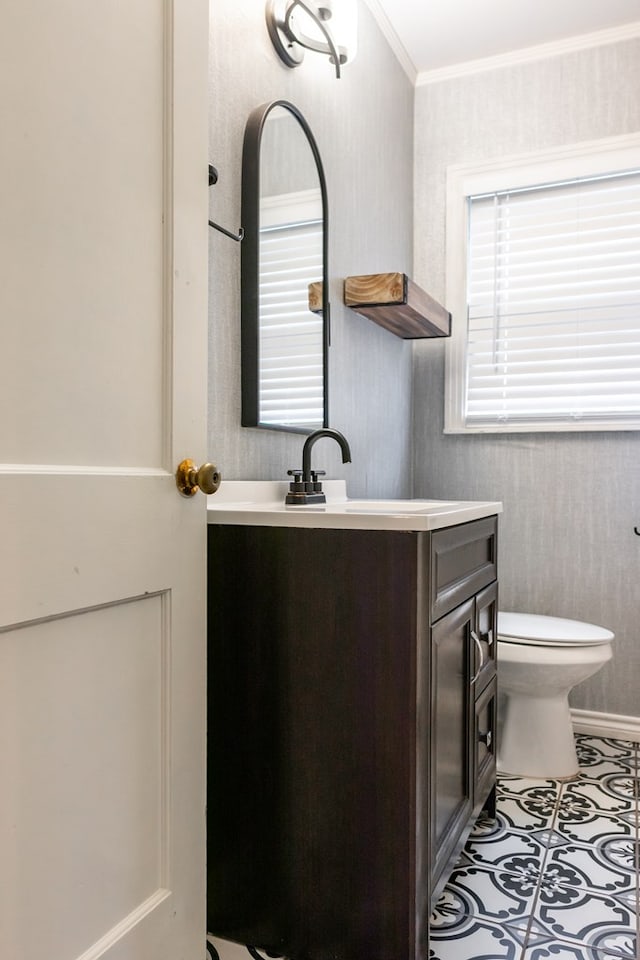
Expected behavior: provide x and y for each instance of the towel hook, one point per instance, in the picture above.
(237, 237)
(636, 531)
(213, 178)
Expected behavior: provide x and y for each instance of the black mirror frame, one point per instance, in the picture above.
(250, 266)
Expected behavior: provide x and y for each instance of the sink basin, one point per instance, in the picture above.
(261, 503)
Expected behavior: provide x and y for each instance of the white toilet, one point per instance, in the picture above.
(540, 659)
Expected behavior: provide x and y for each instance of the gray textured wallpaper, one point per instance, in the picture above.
(363, 124)
(571, 501)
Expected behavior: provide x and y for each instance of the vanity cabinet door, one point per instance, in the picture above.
(484, 653)
(451, 743)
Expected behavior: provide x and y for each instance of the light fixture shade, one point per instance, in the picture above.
(344, 25)
(329, 27)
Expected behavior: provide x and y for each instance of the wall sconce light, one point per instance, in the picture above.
(325, 26)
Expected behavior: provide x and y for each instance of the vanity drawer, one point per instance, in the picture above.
(463, 561)
(484, 760)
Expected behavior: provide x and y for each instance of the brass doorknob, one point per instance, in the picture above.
(190, 478)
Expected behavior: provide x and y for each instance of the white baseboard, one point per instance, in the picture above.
(606, 724)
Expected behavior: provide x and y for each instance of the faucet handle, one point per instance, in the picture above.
(316, 485)
(296, 485)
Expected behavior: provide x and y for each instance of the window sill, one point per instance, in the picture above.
(578, 427)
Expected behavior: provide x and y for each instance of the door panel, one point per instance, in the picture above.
(91, 753)
(103, 241)
(80, 78)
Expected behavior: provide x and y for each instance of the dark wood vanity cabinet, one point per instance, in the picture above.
(351, 731)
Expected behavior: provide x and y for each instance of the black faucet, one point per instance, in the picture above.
(305, 486)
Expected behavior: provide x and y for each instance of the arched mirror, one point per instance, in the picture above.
(285, 309)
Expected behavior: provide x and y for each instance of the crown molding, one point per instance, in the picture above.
(541, 51)
(393, 39)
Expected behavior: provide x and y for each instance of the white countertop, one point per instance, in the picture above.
(261, 503)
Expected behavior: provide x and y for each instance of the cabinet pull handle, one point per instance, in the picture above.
(476, 640)
(486, 738)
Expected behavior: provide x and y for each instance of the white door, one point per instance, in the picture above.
(103, 241)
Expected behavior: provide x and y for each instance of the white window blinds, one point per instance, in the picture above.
(553, 303)
(291, 382)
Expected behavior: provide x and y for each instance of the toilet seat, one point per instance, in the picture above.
(543, 631)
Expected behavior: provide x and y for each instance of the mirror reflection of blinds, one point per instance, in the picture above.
(553, 302)
(291, 337)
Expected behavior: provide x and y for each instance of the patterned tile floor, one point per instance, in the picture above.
(556, 876)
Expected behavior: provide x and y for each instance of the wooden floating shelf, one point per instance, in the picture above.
(315, 297)
(398, 304)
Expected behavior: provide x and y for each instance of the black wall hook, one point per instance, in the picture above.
(233, 236)
(213, 178)
(636, 531)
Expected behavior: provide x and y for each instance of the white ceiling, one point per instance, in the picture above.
(436, 34)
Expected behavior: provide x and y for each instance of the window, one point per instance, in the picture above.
(543, 279)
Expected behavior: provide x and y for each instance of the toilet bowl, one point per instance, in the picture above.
(540, 659)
